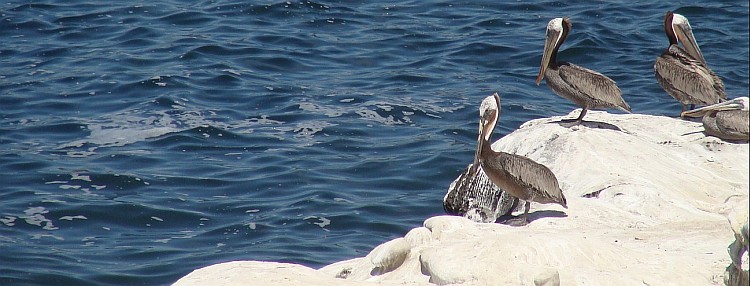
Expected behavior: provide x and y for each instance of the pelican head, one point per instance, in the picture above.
(489, 111)
(678, 29)
(740, 103)
(557, 31)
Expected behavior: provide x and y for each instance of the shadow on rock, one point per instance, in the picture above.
(512, 220)
(568, 123)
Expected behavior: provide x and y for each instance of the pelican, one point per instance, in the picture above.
(584, 87)
(519, 176)
(728, 120)
(682, 72)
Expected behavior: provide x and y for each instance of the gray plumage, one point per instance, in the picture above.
(683, 72)
(728, 125)
(729, 120)
(687, 80)
(584, 87)
(523, 178)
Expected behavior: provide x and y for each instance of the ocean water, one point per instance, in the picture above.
(140, 140)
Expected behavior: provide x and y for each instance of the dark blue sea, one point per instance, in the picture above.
(140, 140)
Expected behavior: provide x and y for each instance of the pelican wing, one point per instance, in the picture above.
(596, 86)
(533, 175)
(689, 76)
(735, 122)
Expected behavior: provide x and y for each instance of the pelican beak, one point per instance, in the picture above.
(480, 144)
(684, 33)
(550, 43)
(723, 106)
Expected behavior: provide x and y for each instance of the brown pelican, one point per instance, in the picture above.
(729, 120)
(683, 73)
(521, 177)
(584, 87)
(473, 196)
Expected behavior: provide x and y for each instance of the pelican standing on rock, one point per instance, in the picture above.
(683, 73)
(729, 120)
(521, 177)
(584, 87)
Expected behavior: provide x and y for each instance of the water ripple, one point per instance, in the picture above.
(146, 140)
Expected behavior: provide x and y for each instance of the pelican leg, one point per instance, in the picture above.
(684, 108)
(573, 122)
(579, 120)
(519, 220)
(525, 219)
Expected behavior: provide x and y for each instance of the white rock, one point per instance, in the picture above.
(242, 273)
(657, 196)
(419, 236)
(547, 277)
(444, 225)
(389, 256)
(737, 272)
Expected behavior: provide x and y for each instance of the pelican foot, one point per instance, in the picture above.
(568, 123)
(515, 221)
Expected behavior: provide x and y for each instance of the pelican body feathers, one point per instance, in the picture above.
(682, 71)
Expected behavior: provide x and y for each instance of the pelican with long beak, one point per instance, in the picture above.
(682, 71)
(729, 120)
(517, 175)
(584, 87)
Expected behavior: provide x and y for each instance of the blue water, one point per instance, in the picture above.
(141, 141)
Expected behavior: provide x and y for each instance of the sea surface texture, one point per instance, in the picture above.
(140, 140)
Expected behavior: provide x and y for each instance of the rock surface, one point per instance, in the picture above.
(649, 199)
(737, 271)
